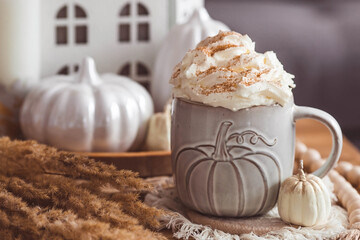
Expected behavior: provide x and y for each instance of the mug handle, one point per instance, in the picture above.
(332, 125)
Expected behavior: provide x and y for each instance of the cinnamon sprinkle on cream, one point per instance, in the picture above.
(228, 63)
(228, 86)
(219, 48)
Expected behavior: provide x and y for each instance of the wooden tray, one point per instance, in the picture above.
(258, 225)
(147, 164)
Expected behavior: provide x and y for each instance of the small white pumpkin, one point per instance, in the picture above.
(158, 137)
(304, 200)
(86, 112)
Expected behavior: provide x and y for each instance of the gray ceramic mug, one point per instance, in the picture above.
(232, 164)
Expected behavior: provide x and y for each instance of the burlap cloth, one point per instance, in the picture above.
(186, 224)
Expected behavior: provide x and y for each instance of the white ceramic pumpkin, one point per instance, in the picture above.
(304, 200)
(180, 39)
(86, 112)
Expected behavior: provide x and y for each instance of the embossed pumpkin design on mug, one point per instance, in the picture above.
(224, 165)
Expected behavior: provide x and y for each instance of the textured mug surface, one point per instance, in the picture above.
(232, 163)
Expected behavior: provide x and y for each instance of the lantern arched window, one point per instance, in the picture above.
(134, 23)
(137, 71)
(71, 23)
(67, 70)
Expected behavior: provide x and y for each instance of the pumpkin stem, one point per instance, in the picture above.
(301, 173)
(87, 72)
(199, 15)
(221, 153)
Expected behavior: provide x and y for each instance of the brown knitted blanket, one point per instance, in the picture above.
(51, 194)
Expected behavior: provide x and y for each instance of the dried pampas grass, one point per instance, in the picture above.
(50, 194)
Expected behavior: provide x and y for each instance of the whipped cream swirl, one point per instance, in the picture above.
(225, 70)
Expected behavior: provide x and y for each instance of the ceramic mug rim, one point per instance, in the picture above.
(276, 105)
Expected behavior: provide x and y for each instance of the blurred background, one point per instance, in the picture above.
(317, 41)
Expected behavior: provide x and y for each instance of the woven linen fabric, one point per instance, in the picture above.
(178, 220)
